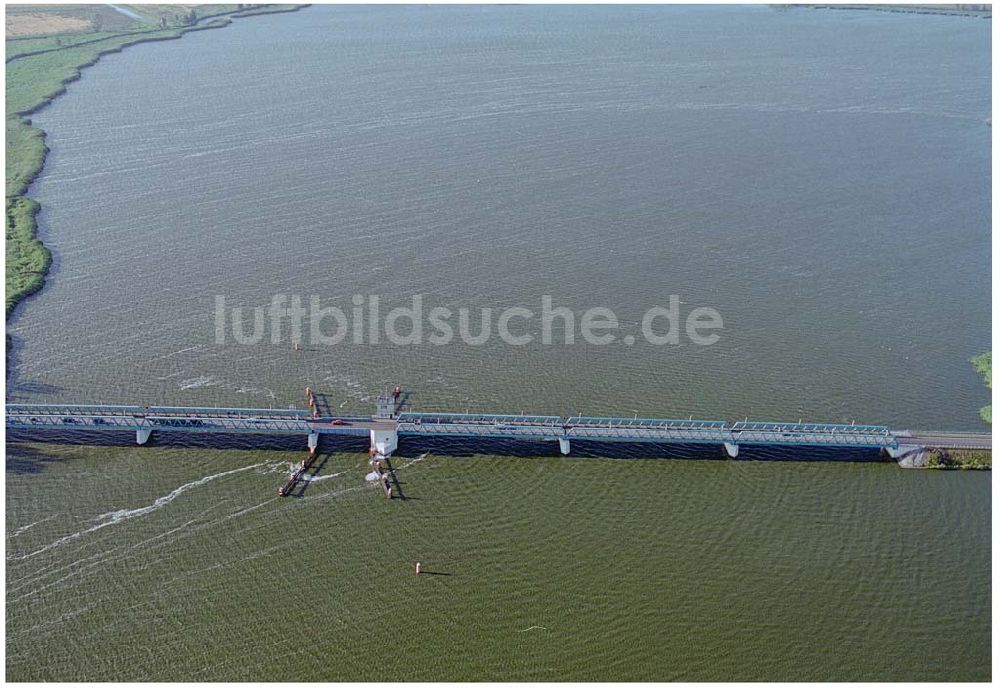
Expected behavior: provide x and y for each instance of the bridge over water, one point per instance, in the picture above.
(389, 424)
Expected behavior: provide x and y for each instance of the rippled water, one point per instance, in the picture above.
(184, 564)
(820, 178)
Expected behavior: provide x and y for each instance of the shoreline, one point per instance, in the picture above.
(28, 259)
(948, 10)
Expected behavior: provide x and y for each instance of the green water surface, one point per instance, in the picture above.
(535, 568)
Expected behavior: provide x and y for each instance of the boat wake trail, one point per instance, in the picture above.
(199, 382)
(118, 516)
(21, 529)
(316, 479)
(412, 462)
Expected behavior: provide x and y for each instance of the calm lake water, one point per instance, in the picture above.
(820, 178)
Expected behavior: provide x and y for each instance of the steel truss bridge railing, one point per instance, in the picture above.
(196, 419)
(510, 426)
(648, 430)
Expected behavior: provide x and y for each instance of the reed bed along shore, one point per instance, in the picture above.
(38, 71)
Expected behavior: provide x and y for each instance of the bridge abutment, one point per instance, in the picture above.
(900, 450)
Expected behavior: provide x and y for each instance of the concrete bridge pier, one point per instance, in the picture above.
(564, 445)
(732, 449)
(313, 441)
(142, 435)
(385, 442)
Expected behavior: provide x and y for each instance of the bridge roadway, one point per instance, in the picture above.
(385, 431)
(947, 440)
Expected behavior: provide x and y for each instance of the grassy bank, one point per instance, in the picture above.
(984, 366)
(960, 459)
(27, 258)
(38, 70)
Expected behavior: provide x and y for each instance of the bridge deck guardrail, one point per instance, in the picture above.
(514, 426)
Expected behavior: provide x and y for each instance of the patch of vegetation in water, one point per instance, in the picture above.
(960, 459)
(984, 366)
